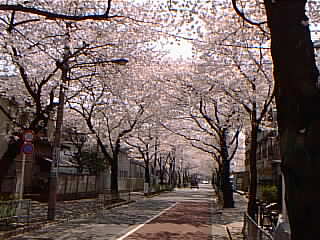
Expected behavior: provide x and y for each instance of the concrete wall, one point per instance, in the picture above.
(3, 128)
(74, 184)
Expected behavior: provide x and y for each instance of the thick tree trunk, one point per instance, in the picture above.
(147, 180)
(226, 186)
(252, 208)
(114, 178)
(147, 173)
(298, 98)
(219, 184)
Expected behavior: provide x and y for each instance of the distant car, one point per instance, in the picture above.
(205, 182)
(194, 184)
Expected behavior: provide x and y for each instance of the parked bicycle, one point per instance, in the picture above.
(268, 216)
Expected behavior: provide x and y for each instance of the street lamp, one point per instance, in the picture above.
(53, 176)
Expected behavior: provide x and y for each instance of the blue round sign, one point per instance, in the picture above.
(27, 148)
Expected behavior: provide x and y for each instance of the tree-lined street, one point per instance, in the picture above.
(182, 214)
(111, 96)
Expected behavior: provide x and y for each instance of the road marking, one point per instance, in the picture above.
(146, 222)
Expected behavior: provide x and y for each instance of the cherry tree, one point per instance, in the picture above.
(296, 77)
(142, 149)
(220, 138)
(92, 106)
(34, 87)
(71, 37)
(208, 122)
(234, 60)
(142, 142)
(247, 81)
(113, 104)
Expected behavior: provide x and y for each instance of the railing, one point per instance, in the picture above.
(15, 211)
(252, 231)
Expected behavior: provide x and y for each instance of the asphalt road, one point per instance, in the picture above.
(182, 214)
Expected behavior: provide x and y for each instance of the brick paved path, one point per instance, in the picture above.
(186, 220)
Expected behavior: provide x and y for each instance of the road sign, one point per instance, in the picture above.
(27, 148)
(28, 136)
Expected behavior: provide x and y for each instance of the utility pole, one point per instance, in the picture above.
(65, 68)
(53, 177)
(174, 176)
(155, 159)
(27, 148)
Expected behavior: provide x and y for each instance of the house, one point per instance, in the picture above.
(9, 145)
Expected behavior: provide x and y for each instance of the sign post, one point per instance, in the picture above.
(28, 136)
(27, 148)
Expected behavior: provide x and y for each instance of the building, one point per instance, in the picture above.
(267, 153)
(268, 160)
(238, 167)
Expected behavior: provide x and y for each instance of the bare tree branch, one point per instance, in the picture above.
(59, 16)
(242, 15)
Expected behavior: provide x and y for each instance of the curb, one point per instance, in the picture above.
(119, 204)
(156, 194)
(151, 195)
(24, 229)
(31, 227)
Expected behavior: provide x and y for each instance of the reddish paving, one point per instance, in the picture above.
(187, 220)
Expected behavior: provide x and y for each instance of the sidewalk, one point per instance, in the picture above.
(229, 218)
(65, 211)
(106, 224)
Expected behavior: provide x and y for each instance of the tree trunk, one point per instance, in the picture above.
(297, 97)
(147, 179)
(252, 206)
(226, 186)
(147, 173)
(114, 178)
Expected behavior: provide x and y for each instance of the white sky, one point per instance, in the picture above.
(179, 51)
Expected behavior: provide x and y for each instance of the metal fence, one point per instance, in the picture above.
(252, 231)
(15, 211)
